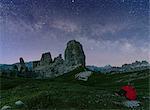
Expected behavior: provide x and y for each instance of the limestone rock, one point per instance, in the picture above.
(74, 53)
(35, 64)
(131, 104)
(54, 70)
(51, 70)
(21, 61)
(146, 97)
(83, 75)
(74, 57)
(58, 60)
(22, 67)
(19, 103)
(6, 107)
(46, 59)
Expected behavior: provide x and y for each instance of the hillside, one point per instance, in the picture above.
(65, 92)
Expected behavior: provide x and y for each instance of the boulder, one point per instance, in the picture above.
(83, 75)
(19, 103)
(74, 54)
(46, 59)
(6, 107)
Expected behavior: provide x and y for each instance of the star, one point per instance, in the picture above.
(111, 22)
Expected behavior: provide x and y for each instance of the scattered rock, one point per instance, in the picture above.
(146, 97)
(6, 107)
(19, 103)
(83, 75)
(120, 80)
(131, 104)
(74, 54)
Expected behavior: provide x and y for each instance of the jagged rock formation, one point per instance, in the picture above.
(74, 57)
(58, 60)
(22, 67)
(56, 68)
(46, 59)
(74, 54)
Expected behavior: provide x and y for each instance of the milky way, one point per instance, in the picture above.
(111, 31)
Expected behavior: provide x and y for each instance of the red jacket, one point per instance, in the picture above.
(130, 92)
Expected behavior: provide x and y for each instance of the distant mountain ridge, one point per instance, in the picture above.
(135, 66)
(10, 66)
(5, 66)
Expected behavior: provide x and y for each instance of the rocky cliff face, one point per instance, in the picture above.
(74, 57)
(35, 64)
(46, 59)
(74, 54)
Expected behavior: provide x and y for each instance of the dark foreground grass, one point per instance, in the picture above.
(66, 93)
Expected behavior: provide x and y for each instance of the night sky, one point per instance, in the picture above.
(111, 31)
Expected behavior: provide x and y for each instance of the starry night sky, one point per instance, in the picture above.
(111, 31)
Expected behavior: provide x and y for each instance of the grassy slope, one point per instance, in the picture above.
(65, 92)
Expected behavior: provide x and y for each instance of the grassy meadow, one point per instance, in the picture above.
(66, 93)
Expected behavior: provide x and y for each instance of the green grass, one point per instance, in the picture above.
(65, 92)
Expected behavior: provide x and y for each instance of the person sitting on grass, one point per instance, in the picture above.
(129, 92)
